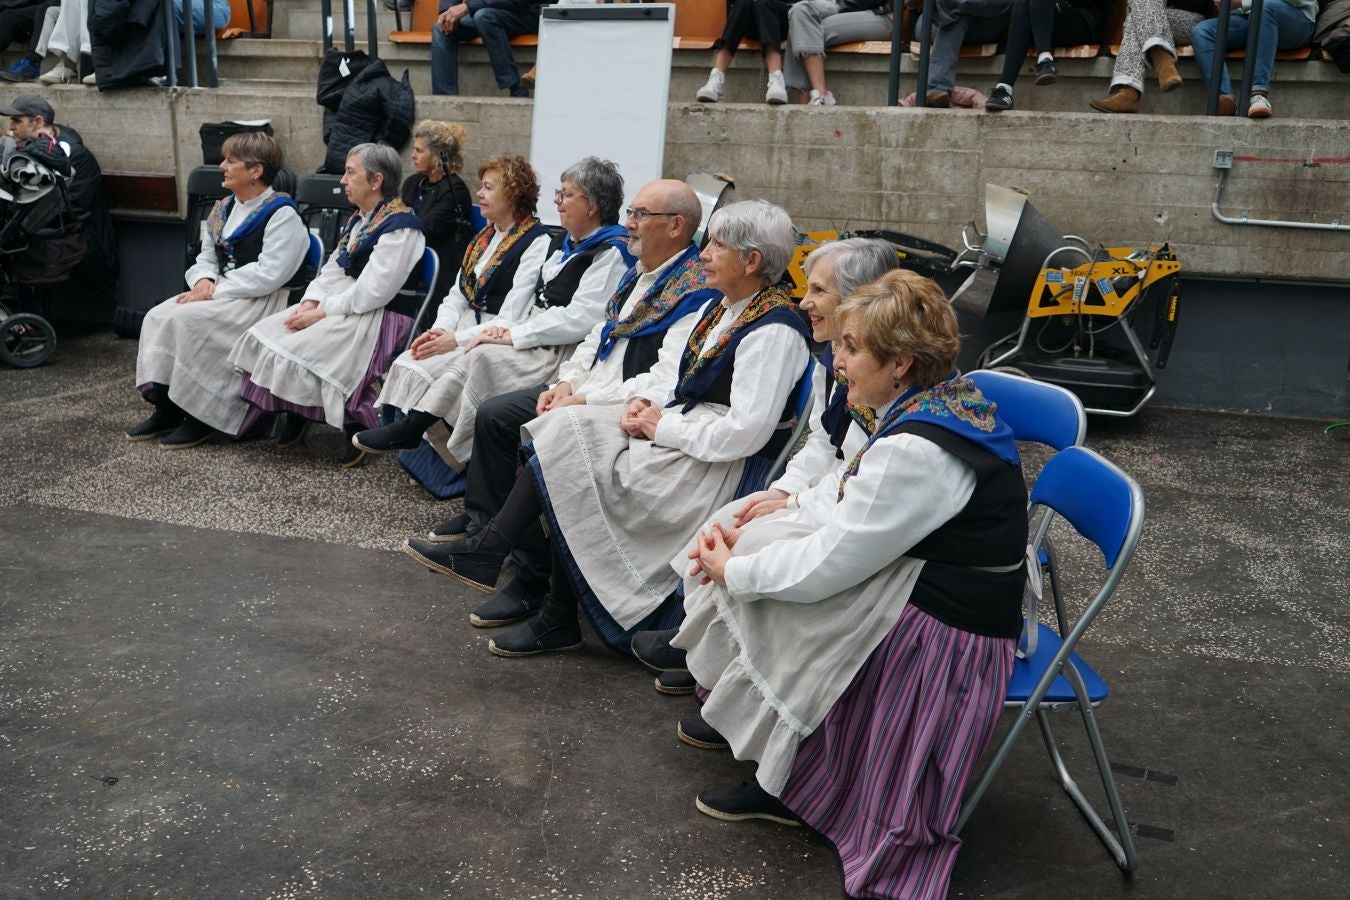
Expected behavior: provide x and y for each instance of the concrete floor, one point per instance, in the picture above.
(217, 678)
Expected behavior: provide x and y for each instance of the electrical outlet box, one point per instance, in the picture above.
(1223, 159)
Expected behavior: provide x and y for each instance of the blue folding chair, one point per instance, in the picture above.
(1106, 507)
(430, 274)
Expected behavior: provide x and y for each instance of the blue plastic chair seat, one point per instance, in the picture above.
(1026, 672)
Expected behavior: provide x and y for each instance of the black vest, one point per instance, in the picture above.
(559, 291)
(990, 531)
(246, 250)
(499, 285)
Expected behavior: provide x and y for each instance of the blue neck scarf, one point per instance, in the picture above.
(615, 236)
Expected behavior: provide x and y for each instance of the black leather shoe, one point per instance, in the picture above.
(535, 637)
(697, 733)
(478, 571)
(674, 683)
(653, 650)
(455, 528)
(290, 429)
(747, 800)
(387, 439)
(161, 422)
(189, 433)
(517, 601)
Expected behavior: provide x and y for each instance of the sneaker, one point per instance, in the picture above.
(464, 564)
(91, 79)
(520, 91)
(1000, 98)
(697, 733)
(387, 438)
(534, 637)
(59, 74)
(1227, 105)
(747, 800)
(819, 99)
(1045, 72)
(514, 603)
(161, 422)
(715, 89)
(24, 69)
(455, 528)
(777, 91)
(189, 433)
(1259, 107)
(652, 649)
(674, 683)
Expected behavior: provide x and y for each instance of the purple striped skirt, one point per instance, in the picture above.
(883, 775)
(360, 406)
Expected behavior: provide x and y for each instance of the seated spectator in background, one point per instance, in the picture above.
(857, 647)
(763, 20)
(439, 196)
(624, 486)
(526, 343)
(639, 342)
(319, 361)
(31, 117)
(1154, 29)
(972, 22)
(496, 22)
(1285, 25)
(814, 25)
(21, 21)
(68, 39)
(253, 243)
(1047, 24)
(220, 15)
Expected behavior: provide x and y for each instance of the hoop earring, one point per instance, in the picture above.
(895, 384)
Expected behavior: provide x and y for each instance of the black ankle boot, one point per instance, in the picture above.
(163, 420)
(555, 630)
(189, 433)
(652, 649)
(354, 454)
(476, 561)
(405, 434)
(290, 429)
(517, 601)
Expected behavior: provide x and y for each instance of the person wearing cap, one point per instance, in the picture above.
(31, 118)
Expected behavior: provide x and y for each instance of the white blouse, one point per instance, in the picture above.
(391, 261)
(516, 305)
(285, 242)
(569, 324)
(817, 458)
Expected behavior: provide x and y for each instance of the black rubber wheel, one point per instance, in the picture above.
(26, 340)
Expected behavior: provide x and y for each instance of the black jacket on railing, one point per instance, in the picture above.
(128, 41)
(373, 107)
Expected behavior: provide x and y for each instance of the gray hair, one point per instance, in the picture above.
(756, 225)
(857, 261)
(380, 159)
(600, 181)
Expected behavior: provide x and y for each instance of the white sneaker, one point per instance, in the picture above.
(1259, 108)
(777, 92)
(59, 74)
(715, 89)
(819, 99)
(90, 79)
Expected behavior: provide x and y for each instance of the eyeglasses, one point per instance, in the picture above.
(638, 215)
(561, 196)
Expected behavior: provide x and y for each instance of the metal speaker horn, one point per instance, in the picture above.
(1018, 242)
(714, 192)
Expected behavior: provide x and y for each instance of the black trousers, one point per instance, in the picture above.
(763, 20)
(496, 453)
(1047, 24)
(23, 23)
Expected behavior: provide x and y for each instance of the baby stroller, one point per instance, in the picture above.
(41, 241)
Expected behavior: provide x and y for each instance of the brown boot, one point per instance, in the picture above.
(1165, 67)
(1123, 99)
(938, 100)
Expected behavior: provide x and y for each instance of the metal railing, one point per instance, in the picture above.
(349, 26)
(899, 40)
(188, 58)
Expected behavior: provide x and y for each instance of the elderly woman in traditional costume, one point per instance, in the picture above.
(857, 646)
(319, 360)
(438, 195)
(517, 345)
(252, 244)
(833, 271)
(623, 485)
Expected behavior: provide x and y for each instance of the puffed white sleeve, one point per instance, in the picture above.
(905, 488)
(769, 362)
(569, 324)
(520, 299)
(816, 457)
(390, 263)
(285, 242)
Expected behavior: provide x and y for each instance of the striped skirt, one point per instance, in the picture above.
(360, 406)
(883, 775)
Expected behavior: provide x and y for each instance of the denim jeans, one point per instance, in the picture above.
(220, 9)
(496, 27)
(1282, 27)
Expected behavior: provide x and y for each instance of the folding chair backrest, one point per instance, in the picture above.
(203, 190)
(429, 276)
(1036, 411)
(324, 207)
(1101, 502)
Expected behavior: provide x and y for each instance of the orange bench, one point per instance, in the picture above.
(239, 12)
